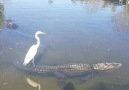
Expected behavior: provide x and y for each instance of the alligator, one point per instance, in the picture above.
(11, 24)
(69, 70)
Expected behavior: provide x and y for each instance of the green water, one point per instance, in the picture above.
(78, 31)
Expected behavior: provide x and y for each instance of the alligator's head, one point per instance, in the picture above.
(106, 66)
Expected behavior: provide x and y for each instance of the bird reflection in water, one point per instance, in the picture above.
(33, 83)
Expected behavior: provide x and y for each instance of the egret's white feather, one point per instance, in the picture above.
(33, 50)
(30, 55)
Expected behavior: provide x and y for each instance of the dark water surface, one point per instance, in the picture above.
(78, 31)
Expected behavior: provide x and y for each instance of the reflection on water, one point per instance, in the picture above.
(92, 5)
(50, 1)
(1, 15)
(121, 20)
(105, 86)
(33, 83)
(78, 31)
(6, 2)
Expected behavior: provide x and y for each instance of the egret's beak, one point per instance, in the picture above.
(43, 33)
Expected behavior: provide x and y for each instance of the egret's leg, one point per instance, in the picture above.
(33, 61)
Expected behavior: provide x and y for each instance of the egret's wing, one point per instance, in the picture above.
(30, 54)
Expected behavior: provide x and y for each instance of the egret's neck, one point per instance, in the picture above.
(38, 41)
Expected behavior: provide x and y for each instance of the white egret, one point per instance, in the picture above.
(33, 50)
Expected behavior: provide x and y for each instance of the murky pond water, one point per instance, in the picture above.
(78, 31)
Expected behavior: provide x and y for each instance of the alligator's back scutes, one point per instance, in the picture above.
(66, 67)
(70, 69)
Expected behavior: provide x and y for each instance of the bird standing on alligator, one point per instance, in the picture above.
(62, 71)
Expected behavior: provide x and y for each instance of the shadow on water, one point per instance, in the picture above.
(106, 86)
(69, 86)
(100, 86)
